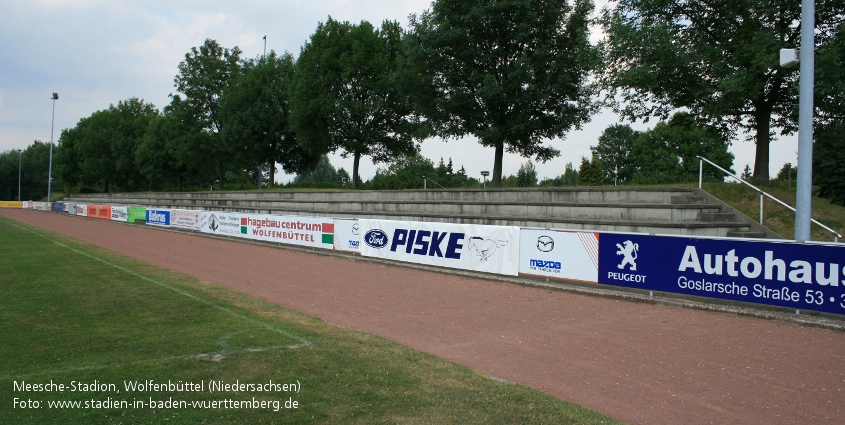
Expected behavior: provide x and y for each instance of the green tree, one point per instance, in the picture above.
(322, 174)
(90, 141)
(828, 157)
(346, 94)
(591, 173)
(255, 110)
(570, 175)
(615, 151)
(130, 120)
(669, 152)
(718, 59)
(9, 175)
(404, 173)
(511, 73)
(100, 149)
(203, 75)
(527, 175)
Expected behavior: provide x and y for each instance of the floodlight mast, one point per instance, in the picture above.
(804, 186)
(55, 97)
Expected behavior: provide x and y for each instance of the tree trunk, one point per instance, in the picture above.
(761, 159)
(497, 164)
(272, 173)
(355, 162)
(151, 185)
(106, 188)
(221, 174)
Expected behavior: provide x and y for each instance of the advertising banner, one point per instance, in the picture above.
(11, 204)
(185, 219)
(137, 214)
(40, 206)
(220, 223)
(82, 209)
(561, 254)
(296, 230)
(27, 204)
(71, 208)
(346, 234)
(57, 207)
(794, 275)
(119, 213)
(158, 217)
(100, 211)
(492, 249)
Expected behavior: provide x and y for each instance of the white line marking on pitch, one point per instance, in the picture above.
(301, 341)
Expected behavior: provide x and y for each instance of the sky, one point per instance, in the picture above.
(95, 53)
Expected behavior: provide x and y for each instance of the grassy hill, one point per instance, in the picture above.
(776, 217)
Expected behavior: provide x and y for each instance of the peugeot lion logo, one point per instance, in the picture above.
(355, 229)
(629, 250)
(545, 243)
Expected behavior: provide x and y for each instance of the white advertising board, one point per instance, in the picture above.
(119, 213)
(185, 219)
(27, 204)
(221, 223)
(491, 249)
(561, 254)
(82, 209)
(347, 236)
(71, 208)
(40, 206)
(315, 232)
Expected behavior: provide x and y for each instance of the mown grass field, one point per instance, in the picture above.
(73, 314)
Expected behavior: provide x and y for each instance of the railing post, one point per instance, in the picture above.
(700, 171)
(761, 208)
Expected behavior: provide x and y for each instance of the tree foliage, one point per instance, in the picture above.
(669, 152)
(100, 150)
(206, 71)
(345, 94)
(591, 173)
(511, 73)
(255, 110)
(718, 59)
(828, 157)
(615, 150)
(33, 164)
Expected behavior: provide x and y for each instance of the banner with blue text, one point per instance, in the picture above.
(786, 274)
(492, 249)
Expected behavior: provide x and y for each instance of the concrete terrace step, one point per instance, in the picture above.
(648, 210)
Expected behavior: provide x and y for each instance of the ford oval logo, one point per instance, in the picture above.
(375, 238)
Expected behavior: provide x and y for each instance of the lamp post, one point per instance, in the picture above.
(52, 121)
(485, 174)
(20, 156)
(804, 186)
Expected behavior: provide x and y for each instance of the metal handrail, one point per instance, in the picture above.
(762, 193)
(425, 186)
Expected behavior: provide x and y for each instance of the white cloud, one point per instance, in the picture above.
(95, 53)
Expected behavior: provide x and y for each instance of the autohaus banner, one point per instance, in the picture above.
(491, 249)
(787, 274)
